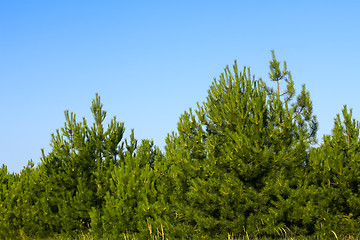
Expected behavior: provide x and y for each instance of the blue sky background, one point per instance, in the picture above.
(152, 60)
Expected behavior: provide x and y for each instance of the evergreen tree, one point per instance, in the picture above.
(331, 202)
(234, 163)
(7, 217)
(88, 178)
(131, 204)
(20, 208)
(77, 170)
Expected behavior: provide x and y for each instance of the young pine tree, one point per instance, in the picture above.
(77, 171)
(21, 212)
(235, 163)
(332, 200)
(131, 205)
(8, 219)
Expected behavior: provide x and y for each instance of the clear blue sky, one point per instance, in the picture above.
(152, 60)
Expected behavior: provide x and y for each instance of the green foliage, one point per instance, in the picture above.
(333, 181)
(7, 217)
(20, 208)
(237, 160)
(243, 165)
(131, 204)
(77, 170)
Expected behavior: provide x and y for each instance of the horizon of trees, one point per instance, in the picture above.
(244, 162)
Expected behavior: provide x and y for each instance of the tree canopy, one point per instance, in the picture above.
(243, 163)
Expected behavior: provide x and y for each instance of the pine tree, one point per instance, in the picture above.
(131, 204)
(20, 206)
(77, 170)
(7, 217)
(233, 164)
(89, 177)
(332, 201)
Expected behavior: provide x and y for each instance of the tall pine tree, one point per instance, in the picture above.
(235, 161)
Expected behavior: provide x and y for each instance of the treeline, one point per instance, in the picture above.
(243, 163)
